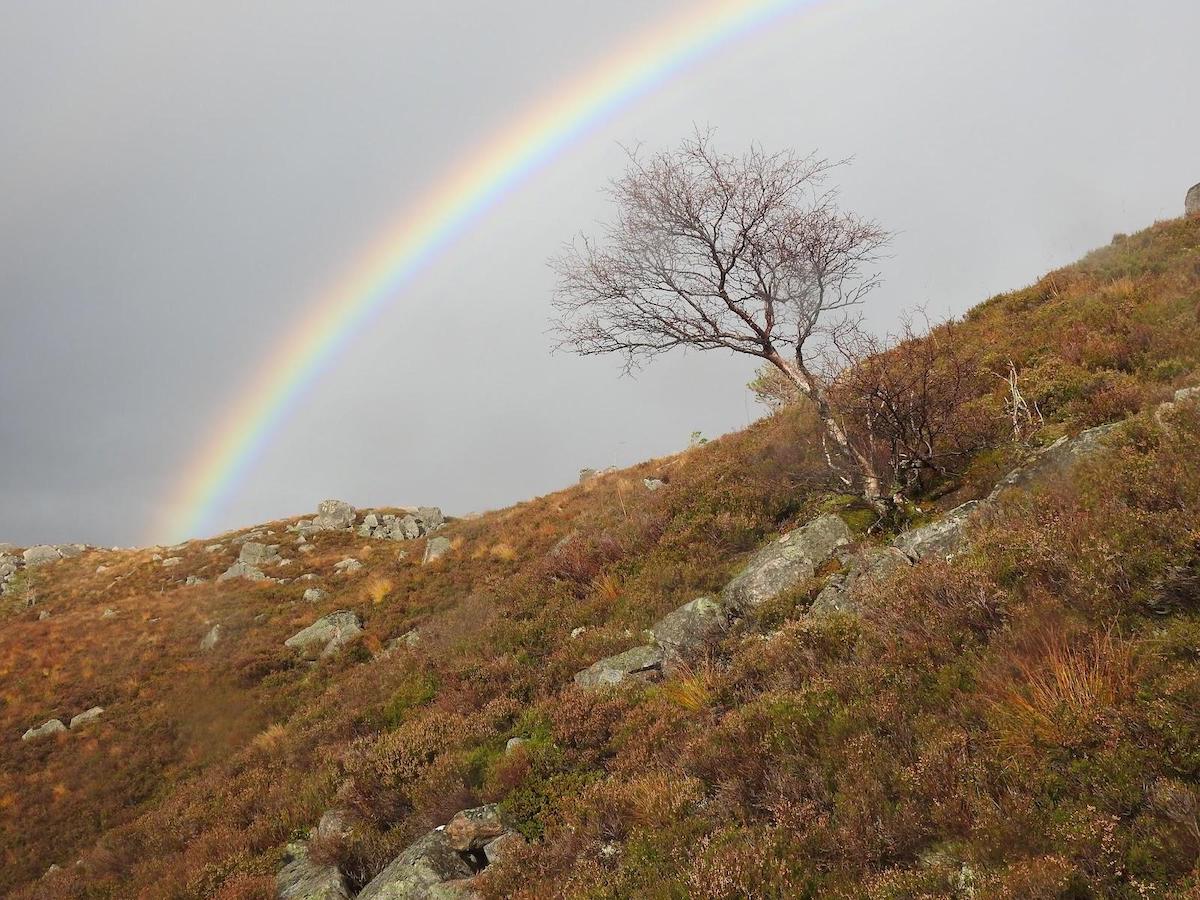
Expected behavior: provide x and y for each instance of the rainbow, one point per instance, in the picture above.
(469, 189)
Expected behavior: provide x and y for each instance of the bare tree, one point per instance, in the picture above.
(746, 253)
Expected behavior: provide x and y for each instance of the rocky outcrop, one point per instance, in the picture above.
(54, 726)
(689, 627)
(442, 864)
(863, 569)
(337, 515)
(638, 664)
(327, 635)
(785, 563)
(1057, 458)
(302, 879)
(942, 537)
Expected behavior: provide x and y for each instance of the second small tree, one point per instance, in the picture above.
(750, 254)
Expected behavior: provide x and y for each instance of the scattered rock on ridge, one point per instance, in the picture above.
(334, 515)
(242, 570)
(326, 635)
(41, 554)
(786, 562)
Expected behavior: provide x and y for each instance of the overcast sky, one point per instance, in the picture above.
(180, 181)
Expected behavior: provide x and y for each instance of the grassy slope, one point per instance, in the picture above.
(1026, 721)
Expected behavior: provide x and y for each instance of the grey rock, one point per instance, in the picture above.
(653, 484)
(1055, 459)
(690, 626)
(256, 554)
(87, 716)
(171, 562)
(942, 538)
(349, 564)
(334, 823)
(471, 829)
(867, 567)
(192, 580)
(326, 635)
(306, 548)
(43, 615)
(638, 664)
(214, 548)
(334, 515)
(587, 475)
(54, 726)
(785, 563)
(1191, 203)
(1183, 395)
(242, 570)
(431, 517)
(41, 554)
(513, 743)
(436, 548)
(421, 871)
(497, 849)
(314, 595)
(68, 551)
(302, 879)
(210, 640)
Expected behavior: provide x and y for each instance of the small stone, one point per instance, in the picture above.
(348, 565)
(513, 744)
(171, 562)
(84, 717)
(306, 548)
(214, 548)
(576, 632)
(242, 570)
(109, 613)
(653, 484)
(100, 570)
(314, 595)
(192, 580)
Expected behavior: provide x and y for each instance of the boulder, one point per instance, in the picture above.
(334, 515)
(242, 570)
(435, 548)
(54, 726)
(497, 849)
(326, 635)
(867, 567)
(171, 561)
(690, 626)
(314, 595)
(471, 829)
(87, 716)
(638, 664)
(302, 879)
(942, 538)
(431, 517)
(653, 484)
(210, 640)
(1191, 202)
(349, 564)
(1056, 458)
(255, 554)
(513, 744)
(41, 554)
(587, 475)
(193, 580)
(214, 548)
(785, 563)
(421, 871)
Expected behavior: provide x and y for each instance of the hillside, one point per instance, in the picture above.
(996, 700)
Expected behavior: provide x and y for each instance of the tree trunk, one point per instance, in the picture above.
(810, 387)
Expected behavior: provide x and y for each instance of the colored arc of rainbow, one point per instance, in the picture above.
(470, 188)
